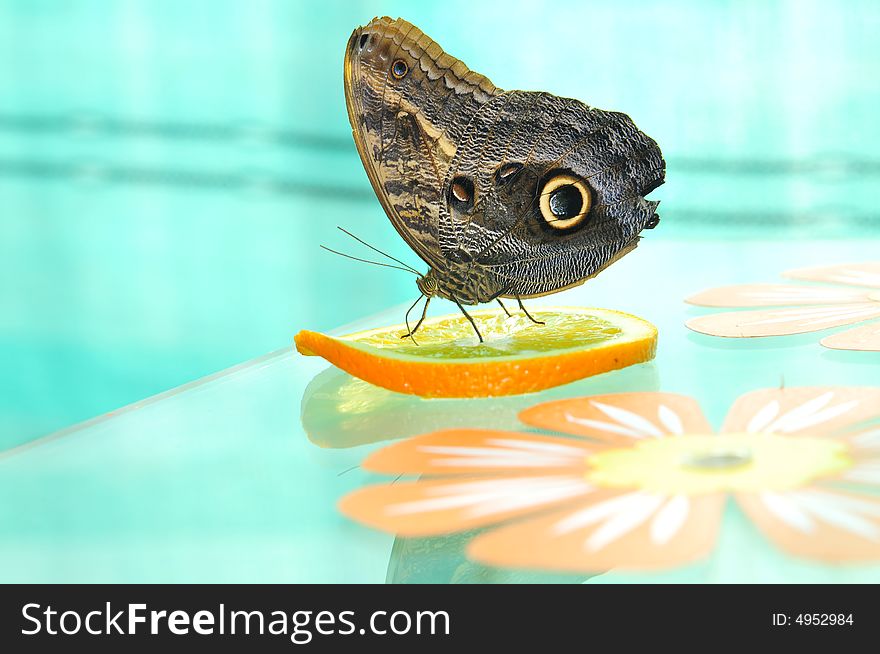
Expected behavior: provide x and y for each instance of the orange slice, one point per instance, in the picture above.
(518, 356)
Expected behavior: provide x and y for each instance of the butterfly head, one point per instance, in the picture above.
(428, 284)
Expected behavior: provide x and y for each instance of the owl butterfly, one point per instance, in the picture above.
(504, 194)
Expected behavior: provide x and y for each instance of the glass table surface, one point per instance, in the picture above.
(235, 477)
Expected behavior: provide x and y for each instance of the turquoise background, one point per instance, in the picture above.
(168, 170)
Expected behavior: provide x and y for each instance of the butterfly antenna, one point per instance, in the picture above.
(375, 249)
(375, 263)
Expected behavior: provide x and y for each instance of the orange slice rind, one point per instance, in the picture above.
(518, 356)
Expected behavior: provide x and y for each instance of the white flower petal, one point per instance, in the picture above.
(624, 522)
(670, 519)
(845, 502)
(855, 313)
(629, 419)
(670, 419)
(763, 417)
(466, 456)
(863, 474)
(810, 406)
(816, 316)
(466, 450)
(868, 440)
(495, 495)
(841, 512)
(551, 448)
(598, 511)
(865, 338)
(816, 418)
(810, 413)
(500, 462)
(860, 274)
(787, 510)
(603, 426)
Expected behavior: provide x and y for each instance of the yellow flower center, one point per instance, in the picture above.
(696, 464)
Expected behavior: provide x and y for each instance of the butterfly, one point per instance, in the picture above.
(503, 194)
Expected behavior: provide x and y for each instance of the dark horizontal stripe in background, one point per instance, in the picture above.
(227, 181)
(84, 172)
(230, 181)
(86, 125)
(92, 125)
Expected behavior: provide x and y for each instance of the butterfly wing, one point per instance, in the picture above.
(558, 192)
(408, 103)
(501, 193)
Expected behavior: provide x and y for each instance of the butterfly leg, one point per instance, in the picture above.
(528, 315)
(503, 307)
(411, 332)
(471, 320)
(424, 313)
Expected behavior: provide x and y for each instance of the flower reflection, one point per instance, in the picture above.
(639, 480)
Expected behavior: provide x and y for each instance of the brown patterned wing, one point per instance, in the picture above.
(558, 194)
(409, 104)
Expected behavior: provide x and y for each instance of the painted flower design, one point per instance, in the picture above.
(818, 306)
(640, 481)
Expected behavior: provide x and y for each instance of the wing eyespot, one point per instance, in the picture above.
(461, 194)
(399, 69)
(506, 173)
(565, 201)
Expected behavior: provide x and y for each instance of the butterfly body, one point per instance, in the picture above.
(504, 194)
